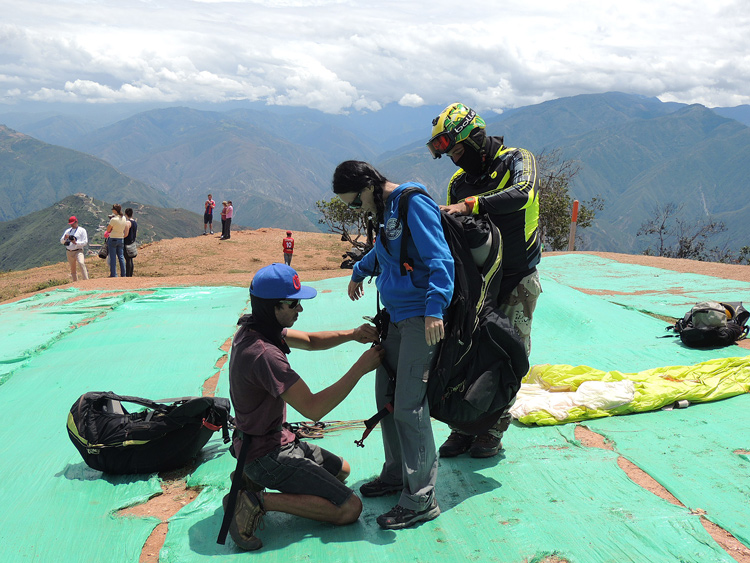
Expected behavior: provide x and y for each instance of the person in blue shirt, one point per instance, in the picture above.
(416, 303)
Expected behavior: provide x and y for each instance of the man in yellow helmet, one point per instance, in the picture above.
(501, 182)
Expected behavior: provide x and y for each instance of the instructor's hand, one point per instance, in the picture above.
(370, 359)
(434, 331)
(366, 333)
(455, 209)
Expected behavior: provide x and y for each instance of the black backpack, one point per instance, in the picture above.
(712, 324)
(481, 360)
(161, 438)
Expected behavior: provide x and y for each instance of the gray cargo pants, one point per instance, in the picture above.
(410, 455)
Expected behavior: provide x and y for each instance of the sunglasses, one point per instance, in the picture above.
(356, 202)
(292, 303)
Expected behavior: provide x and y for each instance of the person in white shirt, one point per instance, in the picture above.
(75, 239)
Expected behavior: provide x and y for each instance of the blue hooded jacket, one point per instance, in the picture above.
(426, 291)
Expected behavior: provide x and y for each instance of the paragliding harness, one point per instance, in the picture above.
(712, 324)
(165, 436)
(480, 363)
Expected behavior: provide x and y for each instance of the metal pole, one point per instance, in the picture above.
(573, 222)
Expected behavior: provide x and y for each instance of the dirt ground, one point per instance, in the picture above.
(205, 260)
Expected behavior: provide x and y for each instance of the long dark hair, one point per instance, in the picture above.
(355, 176)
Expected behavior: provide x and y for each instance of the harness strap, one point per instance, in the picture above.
(234, 490)
(372, 422)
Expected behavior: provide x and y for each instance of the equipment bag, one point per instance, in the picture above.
(166, 435)
(481, 360)
(712, 324)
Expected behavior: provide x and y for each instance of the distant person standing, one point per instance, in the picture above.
(208, 215)
(115, 234)
(75, 239)
(130, 240)
(288, 246)
(227, 221)
(223, 219)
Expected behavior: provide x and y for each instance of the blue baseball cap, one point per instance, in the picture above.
(279, 281)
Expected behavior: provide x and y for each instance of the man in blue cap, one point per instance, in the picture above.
(261, 383)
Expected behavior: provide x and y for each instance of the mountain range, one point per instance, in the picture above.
(274, 163)
(36, 174)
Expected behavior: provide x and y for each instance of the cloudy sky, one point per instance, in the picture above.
(342, 55)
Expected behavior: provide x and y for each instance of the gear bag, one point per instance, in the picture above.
(480, 363)
(166, 435)
(712, 324)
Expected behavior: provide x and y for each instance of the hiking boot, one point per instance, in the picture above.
(378, 488)
(247, 515)
(247, 483)
(456, 444)
(399, 517)
(485, 445)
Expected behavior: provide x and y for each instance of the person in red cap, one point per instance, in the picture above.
(288, 245)
(75, 239)
(261, 384)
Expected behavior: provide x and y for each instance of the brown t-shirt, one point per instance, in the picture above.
(259, 373)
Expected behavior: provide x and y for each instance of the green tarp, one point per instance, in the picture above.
(545, 494)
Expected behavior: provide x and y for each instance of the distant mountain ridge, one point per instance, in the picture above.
(36, 175)
(274, 163)
(635, 152)
(189, 153)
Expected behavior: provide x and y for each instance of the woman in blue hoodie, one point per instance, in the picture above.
(416, 302)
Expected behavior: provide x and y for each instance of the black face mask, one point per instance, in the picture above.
(263, 320)
(471, 161)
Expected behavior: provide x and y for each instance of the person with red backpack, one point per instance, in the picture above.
(288, 246)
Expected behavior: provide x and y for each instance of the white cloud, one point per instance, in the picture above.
(343, 55)
(411, 101)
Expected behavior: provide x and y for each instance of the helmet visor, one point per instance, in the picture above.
(441, 143)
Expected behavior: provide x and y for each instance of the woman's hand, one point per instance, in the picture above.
(355, 290)
(434, 331)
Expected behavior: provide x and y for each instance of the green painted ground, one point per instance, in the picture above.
(545, 494)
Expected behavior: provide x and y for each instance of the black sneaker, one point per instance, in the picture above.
(378, 488)
(399, 517)
(485, 445)
(247, 516)
(456, 444)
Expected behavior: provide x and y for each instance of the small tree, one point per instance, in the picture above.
(351, 224)
(554, 176)
(678, 238)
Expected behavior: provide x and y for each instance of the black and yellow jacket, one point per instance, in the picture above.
(507, 191)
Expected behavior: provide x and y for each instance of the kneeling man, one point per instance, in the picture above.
(309, 479)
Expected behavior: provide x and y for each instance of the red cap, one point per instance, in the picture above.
(72, 220)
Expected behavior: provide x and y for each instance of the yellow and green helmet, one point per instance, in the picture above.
(454, 124)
